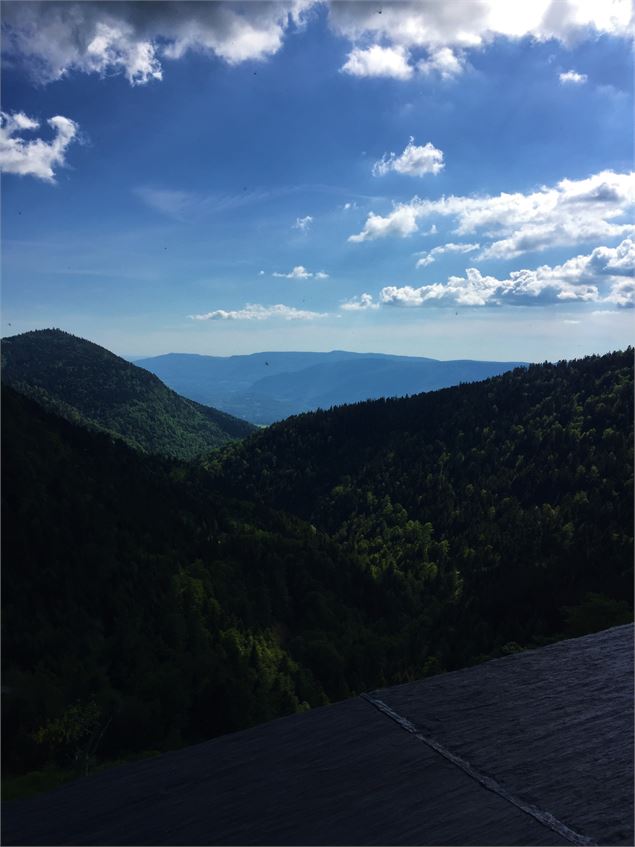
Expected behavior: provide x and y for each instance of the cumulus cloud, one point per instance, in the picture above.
(605, 275)
(572, 78)
(300, 272)
(442, 31)
(362, 303)
(258, 312)
(569, 212)
(134, 38)
(401, 221)
(303, 224)
(414, 161)
(430, 256)
(378, 61)
(34, 156)
(443, 61)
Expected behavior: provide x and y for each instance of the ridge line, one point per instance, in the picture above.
(543, 817)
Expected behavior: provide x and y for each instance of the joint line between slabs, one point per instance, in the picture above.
(545, 818)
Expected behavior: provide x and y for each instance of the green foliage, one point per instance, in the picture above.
(480, 510)
(129, 583)
(92, 387)
(73, 736)
(330, 554)
(596, 612)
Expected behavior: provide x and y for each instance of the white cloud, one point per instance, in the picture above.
(258, 312)
(428, 257)
(572, 78)
(570, 212)
(34, 156)
(443, 61)
(414, 161)
(133, 38)
(439, 29)
(570, 322)
(303, 224)
(604, 275)
(378, 61)
(300, 272)
(359, 304)
(401, 221)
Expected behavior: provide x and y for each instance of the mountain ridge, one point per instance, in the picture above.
(92, 386)
(267, 387)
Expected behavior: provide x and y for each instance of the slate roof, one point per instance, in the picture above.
(535, 748)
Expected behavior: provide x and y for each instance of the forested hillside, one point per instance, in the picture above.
(135, 598)
(91, 386)
(520, 485)
(147, 604)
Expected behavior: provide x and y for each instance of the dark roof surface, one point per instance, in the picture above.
(535, 748)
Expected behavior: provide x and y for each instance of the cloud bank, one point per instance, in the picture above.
(570, 212)
(603, 276)
(432, 37)
(397, 41)
(135, 38)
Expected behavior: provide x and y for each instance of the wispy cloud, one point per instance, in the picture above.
(167, 201)
(430, 256)
(258, 312)
(303, 224)
(34, 156)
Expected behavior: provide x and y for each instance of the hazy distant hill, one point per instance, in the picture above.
(90, 385)
(266, 387)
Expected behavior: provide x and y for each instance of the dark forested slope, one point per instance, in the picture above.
(522, 483)
(381, 543)
(135, 598)
(91, 386)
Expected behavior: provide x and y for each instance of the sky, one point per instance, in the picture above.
(452, 179)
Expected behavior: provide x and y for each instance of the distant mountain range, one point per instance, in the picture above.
(267, 387)
(89, 385)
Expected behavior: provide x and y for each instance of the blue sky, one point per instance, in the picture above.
(303, 176)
